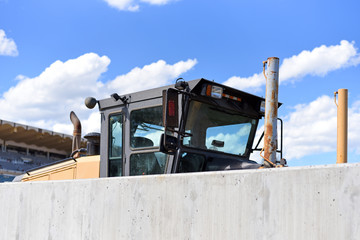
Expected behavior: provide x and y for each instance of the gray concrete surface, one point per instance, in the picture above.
(319, 202)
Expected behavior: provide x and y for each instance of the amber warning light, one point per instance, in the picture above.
(218, 92)
(214, 91)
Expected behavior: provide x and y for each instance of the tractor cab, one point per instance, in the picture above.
(192, 126)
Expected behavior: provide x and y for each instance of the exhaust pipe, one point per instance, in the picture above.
(271, 108)
(77, 131)
(342, 125)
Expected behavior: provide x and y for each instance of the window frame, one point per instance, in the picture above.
(136, 149)
(144, 150)
(249, 143)
(149, 152)
(110, 145)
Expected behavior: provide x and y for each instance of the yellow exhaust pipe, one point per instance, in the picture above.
(342, 125)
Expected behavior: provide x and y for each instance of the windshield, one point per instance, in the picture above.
(218, 129)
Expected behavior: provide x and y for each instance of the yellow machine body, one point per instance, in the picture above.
(79, 168)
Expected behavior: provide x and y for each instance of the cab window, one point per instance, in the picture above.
(115, 144)
(218, 129)
(147, 163)
(146, 127)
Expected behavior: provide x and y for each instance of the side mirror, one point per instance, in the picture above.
(170, 109)
(168, 144)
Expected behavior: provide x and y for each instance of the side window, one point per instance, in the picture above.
(146, 127)
(115, 144)
(147, 163)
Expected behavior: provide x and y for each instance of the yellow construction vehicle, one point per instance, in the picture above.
(193, 126)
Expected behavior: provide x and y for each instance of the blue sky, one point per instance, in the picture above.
(53, 54)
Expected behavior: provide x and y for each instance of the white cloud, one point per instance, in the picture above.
(51, 96)
(157, 2)
(318, 62)
(254, 82)
(312, 128)
(92, 124)
(45, 101)
(7, 45)
(354, 127)
(126, 5)
(150, 76)
(134, 5)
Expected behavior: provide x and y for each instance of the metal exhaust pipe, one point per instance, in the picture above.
(77, 131)
(271, 110)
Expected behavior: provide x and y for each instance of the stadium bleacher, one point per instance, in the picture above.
(24, 147)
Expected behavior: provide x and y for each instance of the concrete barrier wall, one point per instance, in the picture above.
(291, 203)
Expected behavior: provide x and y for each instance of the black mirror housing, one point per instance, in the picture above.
(168, 144)
(170, 109)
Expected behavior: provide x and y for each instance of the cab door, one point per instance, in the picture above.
(112, 158)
